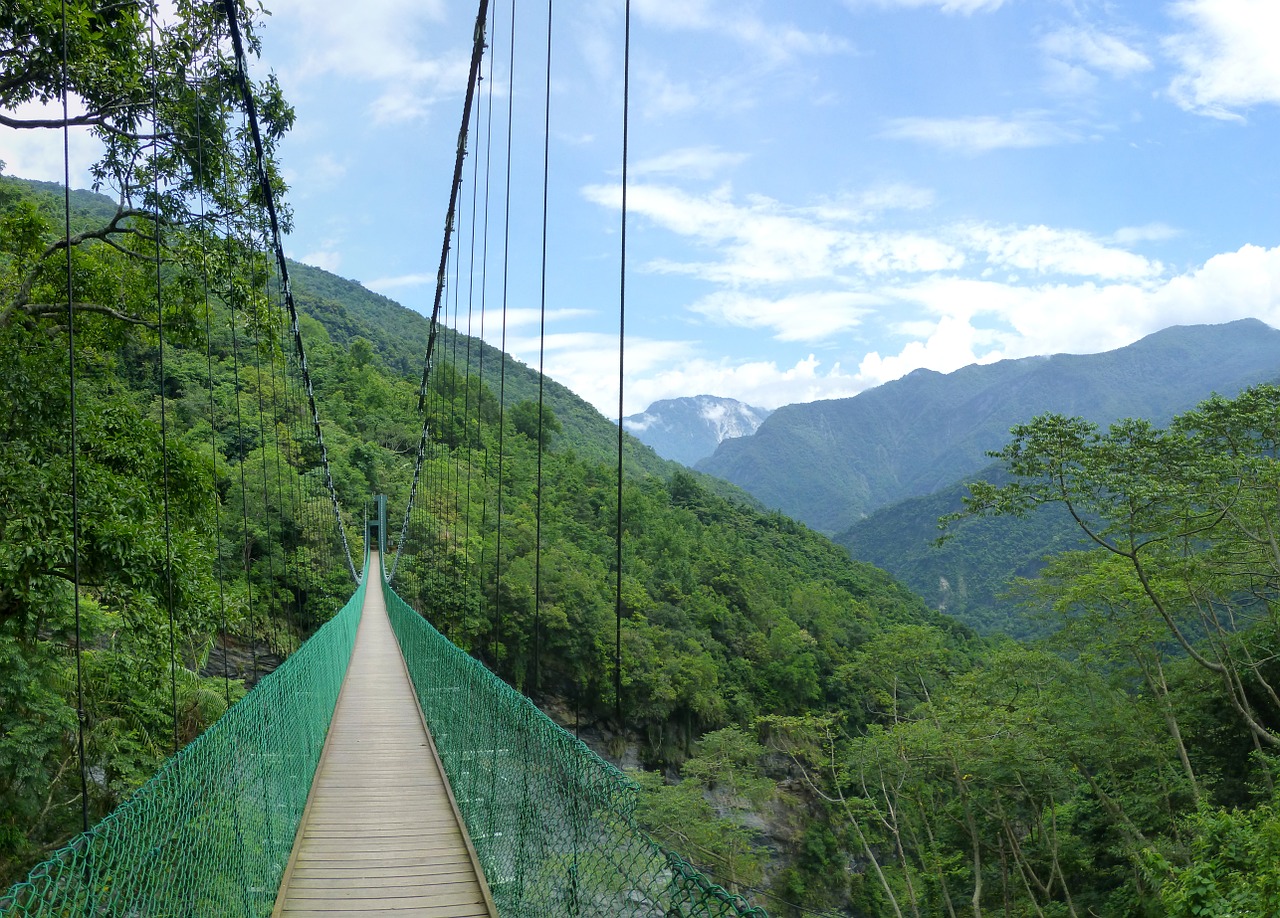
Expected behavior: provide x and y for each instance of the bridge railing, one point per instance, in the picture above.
(211, 832)
(552, 823)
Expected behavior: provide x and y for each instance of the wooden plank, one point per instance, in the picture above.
(381, 831)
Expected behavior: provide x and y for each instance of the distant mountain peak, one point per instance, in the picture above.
(689, 429)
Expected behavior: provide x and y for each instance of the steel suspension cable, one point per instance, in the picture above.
(269, 550)
(213, 417)
(268, 197)
(542, 352)
(622, 350)
(75, 442)
(477, 54)
(502, 351)
(164, 418)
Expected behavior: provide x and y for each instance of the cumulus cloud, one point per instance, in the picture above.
(587, 362)
(325, 258)
(763, 383)
(1226, 57)
(981, 133)
(763, 241)
(810, 317)
(957, 294)
(1046, 250)
(760, 242)
(377, 41)
(979, 321)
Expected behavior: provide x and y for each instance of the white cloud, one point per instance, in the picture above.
(665, 96)
(765, 242)
(762, 243)
(982, 321)
(521, 317)
(689, 162)
(964, 7)
(949, 345)
(777, 41)
(587, 362)
(808, 317)
(1096, 51)
(1228, 58)
(383, 284)
(980, 133)
(326, 259)
(375, 41)
(1149, 232)
(1045, 250)
(762, 383)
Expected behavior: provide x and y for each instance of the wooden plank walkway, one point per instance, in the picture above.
(381, 833)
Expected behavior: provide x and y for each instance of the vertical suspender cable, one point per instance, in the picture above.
(466, 404)
(457, 547)
(542, 352)
(269, 549)
(245, 556)
(213, 417)
(622, 339)
(484, 295)
(502, 355)
(164, 419)
(75, 469)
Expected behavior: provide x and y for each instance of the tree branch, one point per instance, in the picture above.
(42, 310)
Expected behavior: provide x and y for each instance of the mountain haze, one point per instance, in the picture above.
(689, 429)
(830, 463)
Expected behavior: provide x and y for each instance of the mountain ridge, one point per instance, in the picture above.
(832, 462)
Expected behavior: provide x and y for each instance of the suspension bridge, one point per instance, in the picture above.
(380, 769)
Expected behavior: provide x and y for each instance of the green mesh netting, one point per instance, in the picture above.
(552, 823)
(210, 833)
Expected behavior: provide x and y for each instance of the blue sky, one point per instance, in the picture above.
(824, 195)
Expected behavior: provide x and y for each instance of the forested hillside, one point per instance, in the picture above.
(972, 572)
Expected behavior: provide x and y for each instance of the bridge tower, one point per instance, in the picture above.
(375, 523)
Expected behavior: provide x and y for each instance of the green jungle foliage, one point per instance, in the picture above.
(813, 734)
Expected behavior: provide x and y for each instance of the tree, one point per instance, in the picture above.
(162, 98)
(1191, 512)
(703, 816)
(541, 428)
